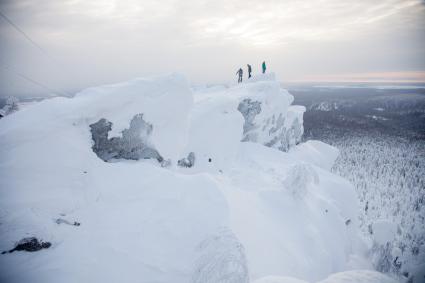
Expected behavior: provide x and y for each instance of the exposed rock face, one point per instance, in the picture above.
(188, 161)
(249, 110)
(11, 105)
(134, 143)
(272, 130)
(31, 244)
(285, 138)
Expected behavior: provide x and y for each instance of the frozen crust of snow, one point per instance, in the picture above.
(241, 211)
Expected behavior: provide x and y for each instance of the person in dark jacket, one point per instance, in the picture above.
(264, 66)
(249, 70)
(240, 74)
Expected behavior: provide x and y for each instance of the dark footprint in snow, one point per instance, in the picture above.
(64, 221)
(29, 245)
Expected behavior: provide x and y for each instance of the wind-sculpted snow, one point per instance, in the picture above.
(135, 221)
(157, 107)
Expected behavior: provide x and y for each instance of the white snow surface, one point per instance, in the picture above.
(251, 212)
(352, 276)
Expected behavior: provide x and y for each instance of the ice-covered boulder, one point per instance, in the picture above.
(157, 108)
(269, 117)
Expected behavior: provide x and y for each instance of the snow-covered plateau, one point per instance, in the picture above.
(152, 181)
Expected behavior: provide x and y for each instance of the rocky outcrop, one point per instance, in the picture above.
(31, 244)
(272, 129)
(133, 144)
(188, 161)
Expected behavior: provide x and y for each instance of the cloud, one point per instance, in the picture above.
(102, 41)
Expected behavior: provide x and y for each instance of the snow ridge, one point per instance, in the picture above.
(235, 161)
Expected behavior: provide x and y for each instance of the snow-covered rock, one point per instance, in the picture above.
(268, 116)
(164, 103)
(244, 209)
(10, 106)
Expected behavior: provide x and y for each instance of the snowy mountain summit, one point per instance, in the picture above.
(152, 181)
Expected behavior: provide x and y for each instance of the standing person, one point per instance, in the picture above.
(240, 73)
(249, 70)
(264, 66)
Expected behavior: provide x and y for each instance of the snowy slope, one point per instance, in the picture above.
(253, 204)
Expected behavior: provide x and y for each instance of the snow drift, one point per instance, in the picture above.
(236, 200)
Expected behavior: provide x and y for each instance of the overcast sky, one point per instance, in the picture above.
(86, 43)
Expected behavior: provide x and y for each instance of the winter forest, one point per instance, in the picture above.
(380, 133)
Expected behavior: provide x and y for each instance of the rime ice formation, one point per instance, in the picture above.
(240, 198)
